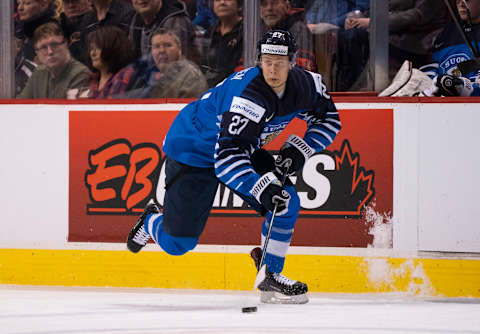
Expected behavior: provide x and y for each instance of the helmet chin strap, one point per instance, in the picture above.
(293, 59)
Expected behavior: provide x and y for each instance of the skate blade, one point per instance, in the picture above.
(262, 273)
(273, 297)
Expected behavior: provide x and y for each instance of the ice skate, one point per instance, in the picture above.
(138, 237)
(278, 289)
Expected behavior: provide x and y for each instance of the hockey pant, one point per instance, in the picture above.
(189, 197)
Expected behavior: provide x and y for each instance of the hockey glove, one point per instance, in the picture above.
(262, 161)
(294, 153)
(269, 191)
(454, 86)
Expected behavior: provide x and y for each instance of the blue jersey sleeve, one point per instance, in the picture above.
(323, 120)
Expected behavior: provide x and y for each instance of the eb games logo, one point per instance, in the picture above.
(122, 178)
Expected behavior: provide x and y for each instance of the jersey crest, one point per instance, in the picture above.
(449, 64)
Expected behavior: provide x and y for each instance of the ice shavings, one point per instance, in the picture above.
(388, 274)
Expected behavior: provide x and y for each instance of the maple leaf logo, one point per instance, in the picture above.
(352, 185)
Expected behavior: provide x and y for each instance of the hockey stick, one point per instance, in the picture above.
(459, 27)
(262, 272)
(471, 64)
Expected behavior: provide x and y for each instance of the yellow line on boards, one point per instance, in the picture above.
(231, 271)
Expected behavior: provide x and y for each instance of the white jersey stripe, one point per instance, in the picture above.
(322, 145)
(331, 128)
(232, 166)
(323, 133)
(228, 158)
(243, 172)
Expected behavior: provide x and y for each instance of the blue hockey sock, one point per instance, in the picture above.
(282, 232)
(170, 244)
(152, 224)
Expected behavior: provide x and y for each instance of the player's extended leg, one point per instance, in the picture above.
(277, 288)
(282, 232)
(189, 196)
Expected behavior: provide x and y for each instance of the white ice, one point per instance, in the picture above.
(60, 310)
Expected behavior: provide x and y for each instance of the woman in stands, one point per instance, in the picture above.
(224, 54)
(110, 50)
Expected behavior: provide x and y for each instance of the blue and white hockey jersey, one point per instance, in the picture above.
(231, 120)
(449, 50)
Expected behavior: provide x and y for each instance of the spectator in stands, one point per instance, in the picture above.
(23, 68)
(75, 8)
(110, 51)
(117, 13)
(74, 12)
(32, 14)
(331, 14)
(105, 12)
(353, 51)
(413, 25)
(278, 14)
(59, 72)
(165, 72)
(456, 67)
(153, 14)
(191, 6)
(224, 54)
(205, 17)
(301, 3)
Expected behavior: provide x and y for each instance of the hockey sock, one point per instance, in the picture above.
(152, 224)
(170, 244)
(276, 252)
(282, 232)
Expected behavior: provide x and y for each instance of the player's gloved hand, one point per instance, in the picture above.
(268, 191)
(293, 153)
(262, 161)
(449, 85)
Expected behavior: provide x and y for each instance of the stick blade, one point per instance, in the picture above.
(262, 273)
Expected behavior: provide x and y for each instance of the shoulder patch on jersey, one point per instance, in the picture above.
(320, 87)
(239, 75)
(247, 108)
(206, 96)
(452, 61)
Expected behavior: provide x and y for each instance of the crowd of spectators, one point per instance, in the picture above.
(175, 48)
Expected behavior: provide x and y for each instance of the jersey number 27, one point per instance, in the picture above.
(237, 125)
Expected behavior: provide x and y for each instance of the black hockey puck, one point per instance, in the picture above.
(249, 309)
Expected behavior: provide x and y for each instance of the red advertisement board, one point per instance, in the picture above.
(116, 163)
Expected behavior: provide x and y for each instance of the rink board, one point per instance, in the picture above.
(426, 277)
(430, 159)
(120, 166)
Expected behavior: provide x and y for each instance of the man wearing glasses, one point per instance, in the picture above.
(58, 71)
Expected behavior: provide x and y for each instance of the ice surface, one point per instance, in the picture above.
(61, 310)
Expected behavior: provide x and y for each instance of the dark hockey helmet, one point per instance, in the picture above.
(277, 42)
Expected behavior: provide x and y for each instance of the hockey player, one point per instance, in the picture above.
(455, 70)
(213, 139)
